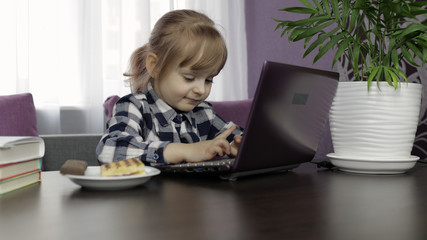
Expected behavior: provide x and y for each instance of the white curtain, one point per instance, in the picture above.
(231, 84)
(71, 54)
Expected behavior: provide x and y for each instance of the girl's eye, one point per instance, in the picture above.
(189, 78)
(209, 80)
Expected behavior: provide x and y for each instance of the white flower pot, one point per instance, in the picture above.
(373, 131)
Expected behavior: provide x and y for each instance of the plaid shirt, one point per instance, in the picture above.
(143, 124)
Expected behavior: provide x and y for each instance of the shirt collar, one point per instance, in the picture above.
(162, 111)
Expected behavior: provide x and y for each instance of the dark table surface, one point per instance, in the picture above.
(305, 203)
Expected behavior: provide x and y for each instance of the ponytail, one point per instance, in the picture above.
(137, 72)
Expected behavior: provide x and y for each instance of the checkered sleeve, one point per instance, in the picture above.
(211, 124)
(124, 136)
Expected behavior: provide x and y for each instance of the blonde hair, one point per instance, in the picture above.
(186, 37)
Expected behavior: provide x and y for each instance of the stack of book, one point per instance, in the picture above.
(20, 162)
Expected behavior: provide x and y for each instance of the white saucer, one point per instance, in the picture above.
(93, 179)
(373, 165)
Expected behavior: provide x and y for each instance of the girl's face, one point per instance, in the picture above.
(183, 89)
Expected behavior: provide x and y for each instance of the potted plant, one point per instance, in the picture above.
(372, 126)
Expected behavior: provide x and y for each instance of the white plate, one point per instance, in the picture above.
(373, 165)
(93, 179)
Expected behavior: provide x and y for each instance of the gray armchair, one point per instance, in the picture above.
(60, 148)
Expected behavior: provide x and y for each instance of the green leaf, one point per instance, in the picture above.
(327, 7)
(295, 33)
(418, 3)
(372, 75)
(307, 21)
(414, 27)
(360, 22)
(421, 40)
(307, 40)
(379, 74)
(341, 49)
(418, 11)
(355, 62)
(395, 78)
(281, 24)
(392, 44)
(287, 30)
(395, 58)
(400, 72)
(312, 31)
(386, 60)
(377, 31)
(387, 77)
(408, 56)
(353, 20)
(328, 46)
(415, 49)
(345, 11)
(308, 4)
(318, 6)
(335, 9)
(300, 10)
(322, 38)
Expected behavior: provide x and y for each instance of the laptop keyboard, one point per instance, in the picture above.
(219, 165)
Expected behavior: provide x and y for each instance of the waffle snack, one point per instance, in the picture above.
(123, 168)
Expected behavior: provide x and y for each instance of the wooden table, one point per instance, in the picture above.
(306, 203)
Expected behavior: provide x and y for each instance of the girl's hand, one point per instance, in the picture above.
(235, 145)
(206, 150)
(202, 151)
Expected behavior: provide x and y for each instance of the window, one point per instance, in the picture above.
(71, 54)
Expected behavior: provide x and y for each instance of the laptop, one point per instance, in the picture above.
(286, 121)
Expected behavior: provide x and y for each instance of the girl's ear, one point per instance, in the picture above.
(150, 64)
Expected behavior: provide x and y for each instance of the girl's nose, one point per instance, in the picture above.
(199, 87)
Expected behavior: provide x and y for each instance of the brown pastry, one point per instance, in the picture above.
(74, 167)
(123, 168)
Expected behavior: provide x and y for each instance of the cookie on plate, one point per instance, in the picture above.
(74, 167)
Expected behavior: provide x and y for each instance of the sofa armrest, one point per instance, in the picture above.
(236, 111)
(60, 148)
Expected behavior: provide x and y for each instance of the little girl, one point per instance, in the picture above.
(166, 119)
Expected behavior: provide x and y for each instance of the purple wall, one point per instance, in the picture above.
(265, 44)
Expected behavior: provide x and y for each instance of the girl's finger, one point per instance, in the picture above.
(227, 132)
